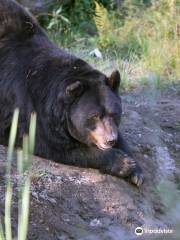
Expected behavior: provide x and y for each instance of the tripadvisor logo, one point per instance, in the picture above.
(139, 231)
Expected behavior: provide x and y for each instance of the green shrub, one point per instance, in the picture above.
(72, 16)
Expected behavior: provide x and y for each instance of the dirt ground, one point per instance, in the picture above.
(69, 203)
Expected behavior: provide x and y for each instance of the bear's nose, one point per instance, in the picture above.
(111, 142)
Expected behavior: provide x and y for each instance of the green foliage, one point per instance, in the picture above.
(145, 33)
(152, 37)
(57, 20)
(103, 23)
(81, 12)
(72, 17)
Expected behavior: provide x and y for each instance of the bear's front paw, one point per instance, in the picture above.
(128, 168)
(123, 167)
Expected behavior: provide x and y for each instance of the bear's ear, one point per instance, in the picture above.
(74, 90)
(114, 80)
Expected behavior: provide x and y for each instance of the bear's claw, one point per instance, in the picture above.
(137, 179)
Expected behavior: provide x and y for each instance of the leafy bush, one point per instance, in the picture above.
(73, 16)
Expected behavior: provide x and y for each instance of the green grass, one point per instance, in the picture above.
(151, 39)
(24, 158)
(145, 47)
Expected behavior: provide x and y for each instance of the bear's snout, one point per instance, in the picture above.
(111, 142)
(105, 135)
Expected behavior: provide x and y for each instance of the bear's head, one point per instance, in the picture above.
(95, 110)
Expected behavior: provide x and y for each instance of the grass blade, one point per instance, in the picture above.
(32, 133)
(8, 201)
(24, 211)
(28, 150)
(20, 166)
(8, 196)
(1, 232)
(12, 138)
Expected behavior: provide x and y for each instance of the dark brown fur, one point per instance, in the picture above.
(36, 75)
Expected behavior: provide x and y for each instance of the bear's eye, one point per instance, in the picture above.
(95, 117)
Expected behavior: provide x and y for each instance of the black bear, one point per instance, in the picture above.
(78, 108)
